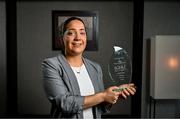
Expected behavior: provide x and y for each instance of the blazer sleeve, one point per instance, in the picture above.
(57, 90)
(105, 107)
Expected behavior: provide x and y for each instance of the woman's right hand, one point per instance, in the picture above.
(111, 96)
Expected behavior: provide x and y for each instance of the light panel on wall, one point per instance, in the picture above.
(165, 67)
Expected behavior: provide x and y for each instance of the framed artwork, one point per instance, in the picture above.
(90, 19)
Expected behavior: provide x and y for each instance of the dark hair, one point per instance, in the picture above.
(64, 28)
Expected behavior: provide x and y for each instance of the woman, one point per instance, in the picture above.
(74, 84)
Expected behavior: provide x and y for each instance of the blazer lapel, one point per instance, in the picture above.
(70, 74)
(93, 75)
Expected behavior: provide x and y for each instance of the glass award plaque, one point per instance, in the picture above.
(120, 68)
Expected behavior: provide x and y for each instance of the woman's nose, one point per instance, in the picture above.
(77, 36)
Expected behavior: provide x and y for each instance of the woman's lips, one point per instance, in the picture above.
(76, 44)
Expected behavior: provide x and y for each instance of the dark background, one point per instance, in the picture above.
(26, 39)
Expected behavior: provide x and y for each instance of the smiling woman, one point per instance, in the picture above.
(90, 19)
(74, 84)
(75, 38)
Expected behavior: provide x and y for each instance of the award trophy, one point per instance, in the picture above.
(120, 68)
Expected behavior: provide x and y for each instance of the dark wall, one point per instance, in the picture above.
(34, 39)
(160, 18)
(2, 58)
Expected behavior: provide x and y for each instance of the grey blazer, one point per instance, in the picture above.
(62, 88)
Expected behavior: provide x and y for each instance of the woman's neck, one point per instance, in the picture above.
(75, 61)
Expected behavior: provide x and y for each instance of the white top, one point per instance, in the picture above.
(85, 86)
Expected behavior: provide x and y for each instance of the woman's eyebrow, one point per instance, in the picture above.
(76, 29)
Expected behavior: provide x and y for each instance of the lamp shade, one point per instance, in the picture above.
(165, 67)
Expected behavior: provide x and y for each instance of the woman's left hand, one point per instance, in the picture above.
(128, 90)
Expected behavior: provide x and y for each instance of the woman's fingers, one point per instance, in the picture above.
(131, 85)
(123, 95)
(133, 88)
(126, 91)
(132, 92)
(113, 92)
(112, 96)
